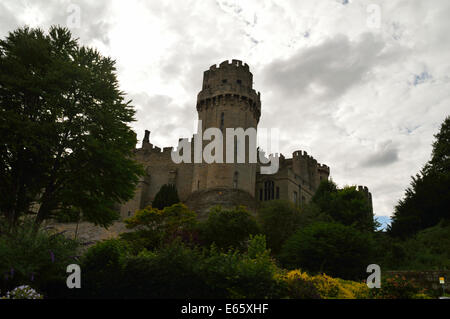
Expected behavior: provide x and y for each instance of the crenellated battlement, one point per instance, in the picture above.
(229, 83)
(302, 155)
(363, 189)
(228, 64)
(234, 72)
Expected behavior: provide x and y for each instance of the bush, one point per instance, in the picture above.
(158, 227)
(332, 248)
(325, 286)
(37, 258)
(179, 271)
(398, 287)
(102, 267)
(171, 272)
(300, 286)
(279, 220)
(243, 275)
(228, 228)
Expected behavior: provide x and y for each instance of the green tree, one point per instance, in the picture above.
(347, 206)
(155, 227)
(279, 220)
(167, 196)
(330, 248)
(65, 139)
(427, 200)
(228, 227)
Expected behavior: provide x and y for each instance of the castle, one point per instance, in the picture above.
(227, 100)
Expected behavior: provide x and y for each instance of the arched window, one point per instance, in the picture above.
(235, 180)
(269, 190)
(222, 120)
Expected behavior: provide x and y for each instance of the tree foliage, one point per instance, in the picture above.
(167, 196)
(228, 227)
(154, 227)
(38, 259)
(279, 220)
(347, 206)
(65, 139)
(427, 200)
(332, 248)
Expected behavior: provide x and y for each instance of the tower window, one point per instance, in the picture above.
(278, 193)
(239, 82)
(222, 120)
(235, 180)
(295, 198)
(268, 190)
(224, 81)
(260, 194)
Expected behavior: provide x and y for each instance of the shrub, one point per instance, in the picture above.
(332, 248)
(102, 267)
(243, 275)
(279, 220)
(171, 272)
(398, 287)
(325, 286)
(156, 227)
(228, 228)
(34, 257)
(300, 286)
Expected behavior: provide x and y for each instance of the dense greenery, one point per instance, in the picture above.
(228, 228)
(65, 139)
(167, 196)
(347, 206)
(279, 220)
(154, 227)
(38, 259)
(330, 248)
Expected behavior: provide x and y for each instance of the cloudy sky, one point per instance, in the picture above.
(361, 85)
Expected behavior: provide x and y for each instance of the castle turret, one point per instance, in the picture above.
(227, 100)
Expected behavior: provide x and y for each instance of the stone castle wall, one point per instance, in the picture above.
(227, 100)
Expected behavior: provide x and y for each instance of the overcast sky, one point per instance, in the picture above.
(361, 85)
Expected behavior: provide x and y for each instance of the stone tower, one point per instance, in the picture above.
(227, 100)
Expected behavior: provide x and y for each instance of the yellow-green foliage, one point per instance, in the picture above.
(329, 287)
(170, 219)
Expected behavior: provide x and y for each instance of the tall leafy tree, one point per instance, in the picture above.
(347, 206)
(65, 139)
(279, 220)
(427, 200)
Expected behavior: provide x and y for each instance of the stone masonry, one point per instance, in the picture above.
(227, 100)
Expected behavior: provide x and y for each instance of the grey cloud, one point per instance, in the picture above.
(383, 157)
(332, 67)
